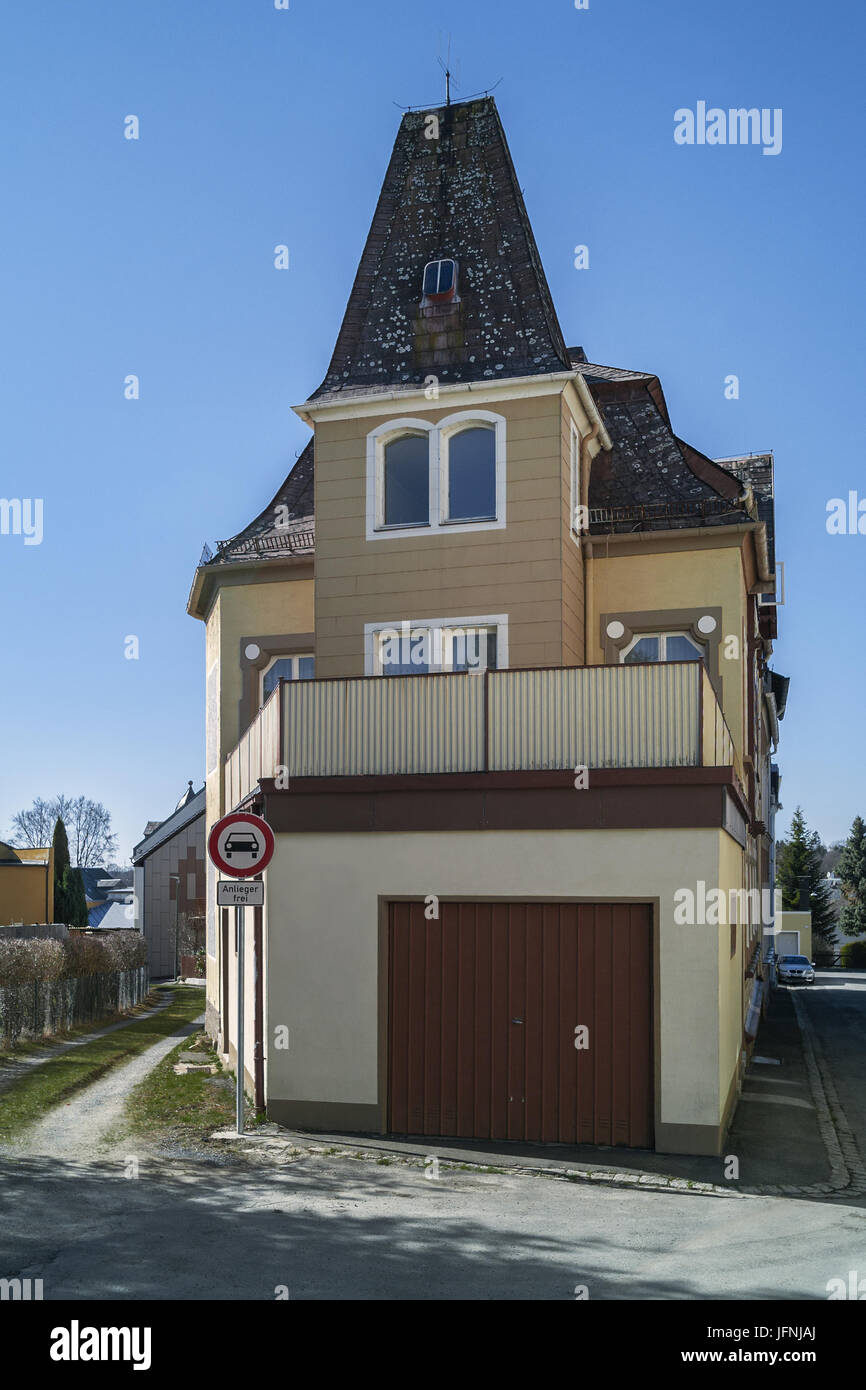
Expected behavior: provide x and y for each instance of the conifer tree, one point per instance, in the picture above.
(61, 864)
(798, 865)
(851, 869)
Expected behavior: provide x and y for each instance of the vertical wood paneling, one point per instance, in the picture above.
(459, 1064)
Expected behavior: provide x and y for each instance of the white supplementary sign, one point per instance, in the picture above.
(237, 893)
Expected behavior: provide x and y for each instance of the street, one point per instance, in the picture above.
(333, 1227)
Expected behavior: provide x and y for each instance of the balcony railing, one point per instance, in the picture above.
(653, 715)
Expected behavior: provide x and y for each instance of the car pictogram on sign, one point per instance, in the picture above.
(241, 844)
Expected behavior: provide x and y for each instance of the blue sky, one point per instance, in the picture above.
(261, 126)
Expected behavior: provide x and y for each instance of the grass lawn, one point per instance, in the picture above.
(184, 1107)
(27, 1047)
(45, 1086)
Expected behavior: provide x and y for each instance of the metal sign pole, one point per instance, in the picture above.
(240, 1038)
(243, 834)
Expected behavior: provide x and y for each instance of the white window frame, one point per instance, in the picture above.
(662, 637)
(373, 632)
(439, 435)
(294, 657)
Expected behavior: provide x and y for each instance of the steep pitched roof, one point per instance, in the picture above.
(451, 197)
(651, 479)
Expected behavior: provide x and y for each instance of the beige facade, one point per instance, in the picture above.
(324, 897)
(529, 568)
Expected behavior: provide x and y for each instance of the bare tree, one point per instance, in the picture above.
(88, 826)
(36, 826)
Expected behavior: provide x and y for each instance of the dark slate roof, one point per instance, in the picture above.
(455, 197)
(92, 879)
(758, 470)
(265, 536)
(650, 479)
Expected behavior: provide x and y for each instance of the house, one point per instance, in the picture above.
(103, 893)
(26, 884)
(493, 664)
(169, 887)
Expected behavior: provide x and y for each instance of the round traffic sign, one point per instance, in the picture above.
(241, 844)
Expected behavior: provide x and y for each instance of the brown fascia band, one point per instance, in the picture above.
(615, 799)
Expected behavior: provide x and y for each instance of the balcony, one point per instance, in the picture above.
(556, 718)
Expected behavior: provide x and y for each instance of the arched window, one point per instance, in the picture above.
(472, 474)
(406, 500)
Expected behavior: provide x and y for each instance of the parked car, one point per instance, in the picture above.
(796, 970)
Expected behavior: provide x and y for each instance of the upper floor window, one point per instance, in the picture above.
(406, 468)
(661, 646)
(436, 476)
(287, 668)
(471, 472)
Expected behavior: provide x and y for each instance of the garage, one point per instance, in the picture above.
(484, 1004)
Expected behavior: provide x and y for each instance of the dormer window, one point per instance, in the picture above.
(440, 282)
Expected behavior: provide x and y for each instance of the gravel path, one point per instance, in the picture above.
(14, 1070)
(79, 1128)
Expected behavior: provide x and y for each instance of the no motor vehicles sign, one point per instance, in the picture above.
(241, 844)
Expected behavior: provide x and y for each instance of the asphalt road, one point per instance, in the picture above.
(836, 1005)
(347, 1229)
(338, 1228)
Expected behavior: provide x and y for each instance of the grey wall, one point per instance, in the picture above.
(156, 903)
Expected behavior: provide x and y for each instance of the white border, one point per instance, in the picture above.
(439, 434)
(497, 620)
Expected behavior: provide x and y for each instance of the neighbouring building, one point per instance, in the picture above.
(105, 895)
(493, 664)
(169, 887)
(26, 885)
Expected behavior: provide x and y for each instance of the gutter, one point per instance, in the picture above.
(586, 542)
(758, 528)
(310, 409)
(205, 572)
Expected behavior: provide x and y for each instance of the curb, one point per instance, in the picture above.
(847, 1170)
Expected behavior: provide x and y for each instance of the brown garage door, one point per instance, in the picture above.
(483, 1007)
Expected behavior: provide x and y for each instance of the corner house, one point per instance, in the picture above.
(494, 665)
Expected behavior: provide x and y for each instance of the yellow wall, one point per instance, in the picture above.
(256, 608)
(27, 889)
(650, 579)
(800, 922)
(732, 1002)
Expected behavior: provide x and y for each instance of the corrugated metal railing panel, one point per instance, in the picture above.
(313, 728)
(401, 724)
(269, 719)
(718, 745)
(558, 718)
(616, 716)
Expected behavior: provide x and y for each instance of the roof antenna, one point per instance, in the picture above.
(446, 68)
